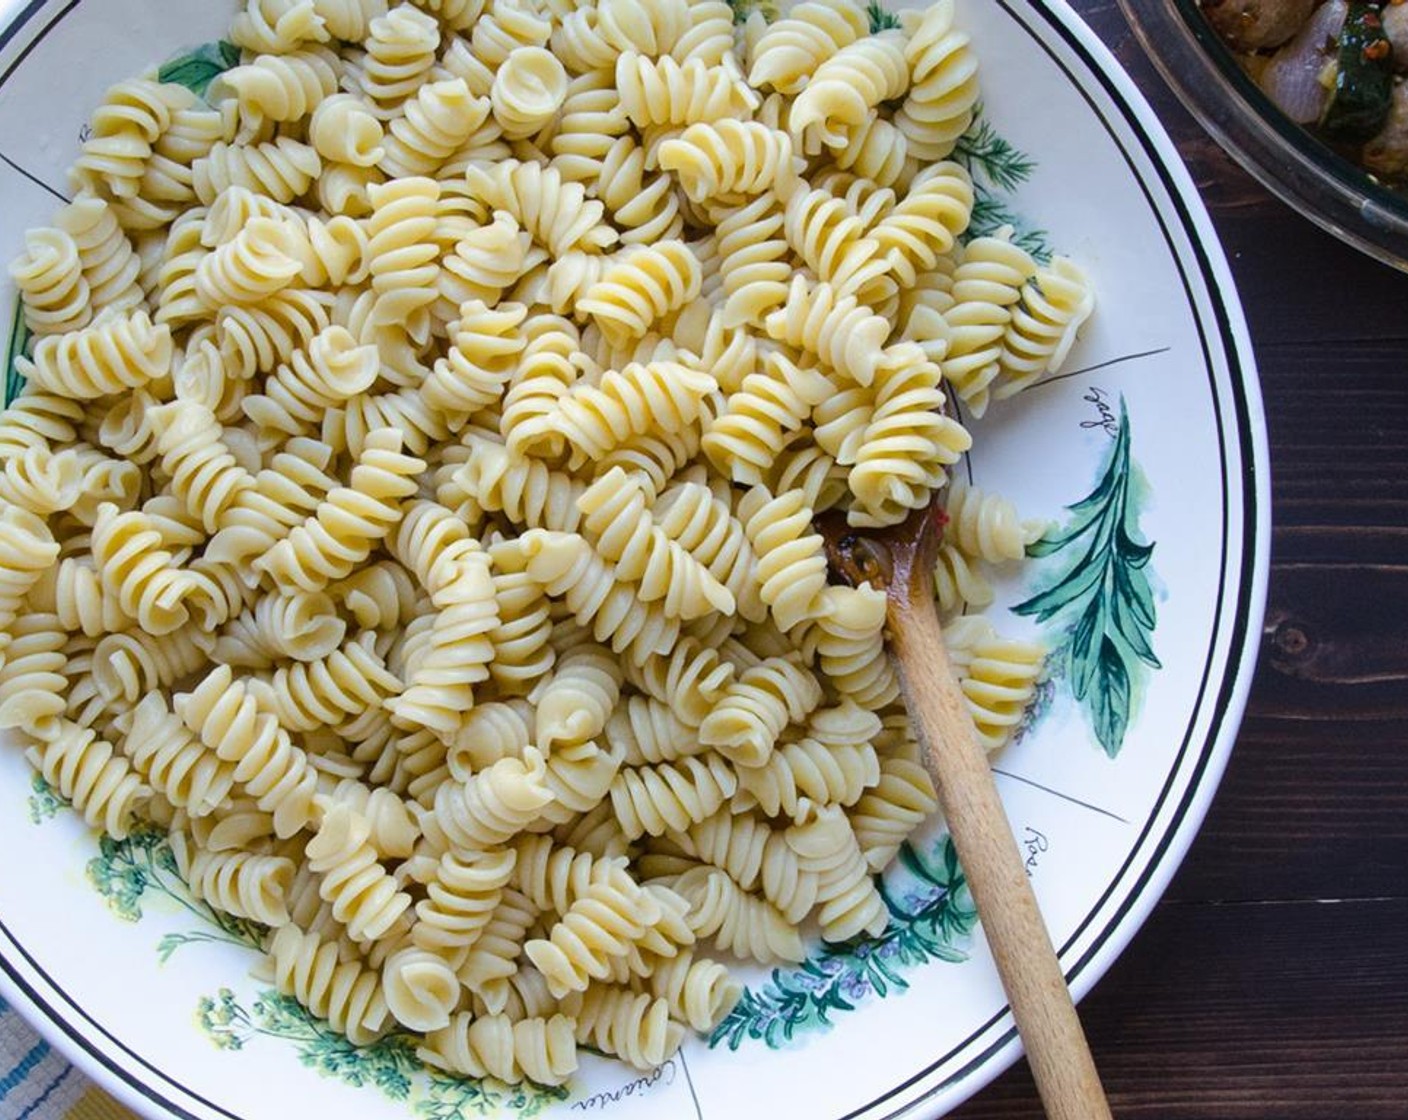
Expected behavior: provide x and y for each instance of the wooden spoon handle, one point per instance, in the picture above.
(1041, 1003)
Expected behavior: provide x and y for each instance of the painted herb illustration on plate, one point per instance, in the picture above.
(931, 919)
(196, 69)
(389, 1064)
(999, 169)
(125, 871)
(1101, 592)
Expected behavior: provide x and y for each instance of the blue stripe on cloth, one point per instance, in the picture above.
(3, 1005)
(44, 1096)
(16, 1076)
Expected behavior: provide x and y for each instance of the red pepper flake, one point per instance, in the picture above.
(1376, 51)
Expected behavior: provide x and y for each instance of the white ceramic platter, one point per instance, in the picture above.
(1157, 417)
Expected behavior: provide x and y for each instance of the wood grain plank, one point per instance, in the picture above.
(1247, 1012)
(1310, 809)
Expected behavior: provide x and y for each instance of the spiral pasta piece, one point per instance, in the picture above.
(926, 225)
(345, 130)
(649, 800)
(567, 566)
(838, 329)
(89, 773)
(128, 552)
(791, 558)
(327, 691)
(282, 169)
(848, 901)
(284, 494)
(460, 901)
(789, 51)
(279, 87)
(527, 492)
(643, 205)
(615, 509)
(400, 53)
(172, 760)
(401, 256)
(485, 263)
(485, 346)
(116, 353)
(727, 160)
(603, 923)
(32, 680)
(277, 26)
(663, 92)
(663, 396)
(893, 808)
(959, 581)
(344, 992)
(349, 521)
(757, 708)
(640, 287)
(690, 678)
(495, 804)
(332, 369)
(535, 1049)
(635, 1027)
(204, 473)
(109, 264)
(1055, 303)
(49, 276)
(362, 893)
(130, 118)
(944, 92)
(224, 714)
(987, 283)
(709, 34)
(846, 87)
(998, 678)
(744, 926)
(433, 125)
(877, 150)
(420, 987)
(245, 884)
(806, 771)
(41, 482)
(556, 212)
(574, 705)
(987, 527)
(440, 687)
(529, 88)
(849, 641)
(128, 665)
(908, 442)
(771, 403)
(437, 549)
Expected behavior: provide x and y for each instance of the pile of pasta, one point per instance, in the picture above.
(410, 507)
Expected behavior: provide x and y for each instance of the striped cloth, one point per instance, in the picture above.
(36, 1083)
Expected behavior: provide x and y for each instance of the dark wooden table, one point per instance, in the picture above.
(1272, 980)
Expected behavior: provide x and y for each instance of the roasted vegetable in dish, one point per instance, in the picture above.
(1337, 67)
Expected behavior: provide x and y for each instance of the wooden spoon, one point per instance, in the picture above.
(901, 560)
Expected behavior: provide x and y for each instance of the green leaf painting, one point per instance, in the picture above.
(389, 1065)
(881, 18)
(19, 341)
(931, 918)
(44, 800)
(1102, 593)
(196, 69)
(999, 169)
